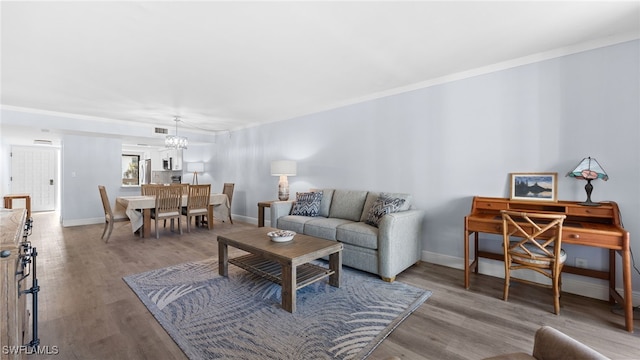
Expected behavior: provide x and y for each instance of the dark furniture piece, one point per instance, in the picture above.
(261, 206)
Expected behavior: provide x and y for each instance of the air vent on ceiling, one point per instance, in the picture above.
(160, 131)
(42, 142)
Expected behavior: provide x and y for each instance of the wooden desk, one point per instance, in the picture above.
(585, 225)
(8, 201)
(261, 206)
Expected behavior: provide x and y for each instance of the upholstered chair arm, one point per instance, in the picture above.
(551, 344)
(399, 242)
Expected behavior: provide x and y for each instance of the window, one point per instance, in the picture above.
(130, 169)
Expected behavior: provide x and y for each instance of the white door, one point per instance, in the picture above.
(33, 171)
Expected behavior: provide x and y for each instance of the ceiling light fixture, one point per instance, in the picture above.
(175, 141)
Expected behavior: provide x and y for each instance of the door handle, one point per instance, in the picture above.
(50, 181)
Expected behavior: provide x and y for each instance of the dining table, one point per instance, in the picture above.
(138, 209)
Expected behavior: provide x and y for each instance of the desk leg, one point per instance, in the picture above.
(146, 223)
(626, 279)
(466, 259)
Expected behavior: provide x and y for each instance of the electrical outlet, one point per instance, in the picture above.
(581, 263)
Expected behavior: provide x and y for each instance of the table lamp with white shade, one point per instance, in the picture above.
(195, 168)
(283, 168)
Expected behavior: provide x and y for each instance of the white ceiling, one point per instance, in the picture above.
(223, 65)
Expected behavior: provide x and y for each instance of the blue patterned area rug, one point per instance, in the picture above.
(240, 317)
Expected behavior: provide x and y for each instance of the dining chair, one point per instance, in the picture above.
(197, 203)
(533, 241)
(222, 211)
(110, 216)
(150, 189)
(168, 206)
(185, 187)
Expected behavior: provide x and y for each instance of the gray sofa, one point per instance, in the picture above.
(384, 241)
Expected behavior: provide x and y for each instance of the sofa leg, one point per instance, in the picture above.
(389, 280)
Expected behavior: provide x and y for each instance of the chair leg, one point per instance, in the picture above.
(109, 232)
(106, 225)
(179, 225)
(230, 219)
(108, 229)
(189, 223)
(556, 293)
(157, 233)
(507, 279)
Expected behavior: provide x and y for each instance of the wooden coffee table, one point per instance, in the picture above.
(286, 263)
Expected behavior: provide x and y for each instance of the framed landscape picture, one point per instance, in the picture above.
(534, 186)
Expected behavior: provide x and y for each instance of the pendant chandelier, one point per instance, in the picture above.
(175, 141)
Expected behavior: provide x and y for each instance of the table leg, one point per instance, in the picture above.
(260, 215)
(335, 264)
(289, 287)
(223, 259)
(146, 223)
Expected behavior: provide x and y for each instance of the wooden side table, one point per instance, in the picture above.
(8, 201)
(261, 206)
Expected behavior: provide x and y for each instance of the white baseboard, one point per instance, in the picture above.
(571, 283)
(78, 222)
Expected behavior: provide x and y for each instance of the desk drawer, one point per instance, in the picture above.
(602, 239)
(490, 227)
(600, 211)
(491, 205)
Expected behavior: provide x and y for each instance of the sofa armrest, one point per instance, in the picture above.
(551, 344)
(399, 242)
(279, 209)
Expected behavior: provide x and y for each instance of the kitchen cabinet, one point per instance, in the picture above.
(166, 156)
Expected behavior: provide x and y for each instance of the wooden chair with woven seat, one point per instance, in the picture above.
(221, 211)
(110, 216)
(168, 206)
(538, 247)
(197, 203)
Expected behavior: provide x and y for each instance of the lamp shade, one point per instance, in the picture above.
(195, 167)
(283, 167)
(589, 169)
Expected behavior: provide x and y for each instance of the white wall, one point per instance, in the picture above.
(444, 144)
(447, 143)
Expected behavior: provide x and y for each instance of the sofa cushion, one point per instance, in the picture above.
(384, 205)
(325, 204)
(323, 227)
(347, 204)
(358, 234)
(307, 203)
(293, 223)
(373, 196)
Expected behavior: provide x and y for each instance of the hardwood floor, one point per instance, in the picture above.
(88, 312)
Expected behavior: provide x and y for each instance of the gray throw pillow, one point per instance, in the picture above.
(382, 206)
(307, 204)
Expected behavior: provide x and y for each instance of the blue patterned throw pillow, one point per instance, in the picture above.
(382, 206)
(307, 204)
